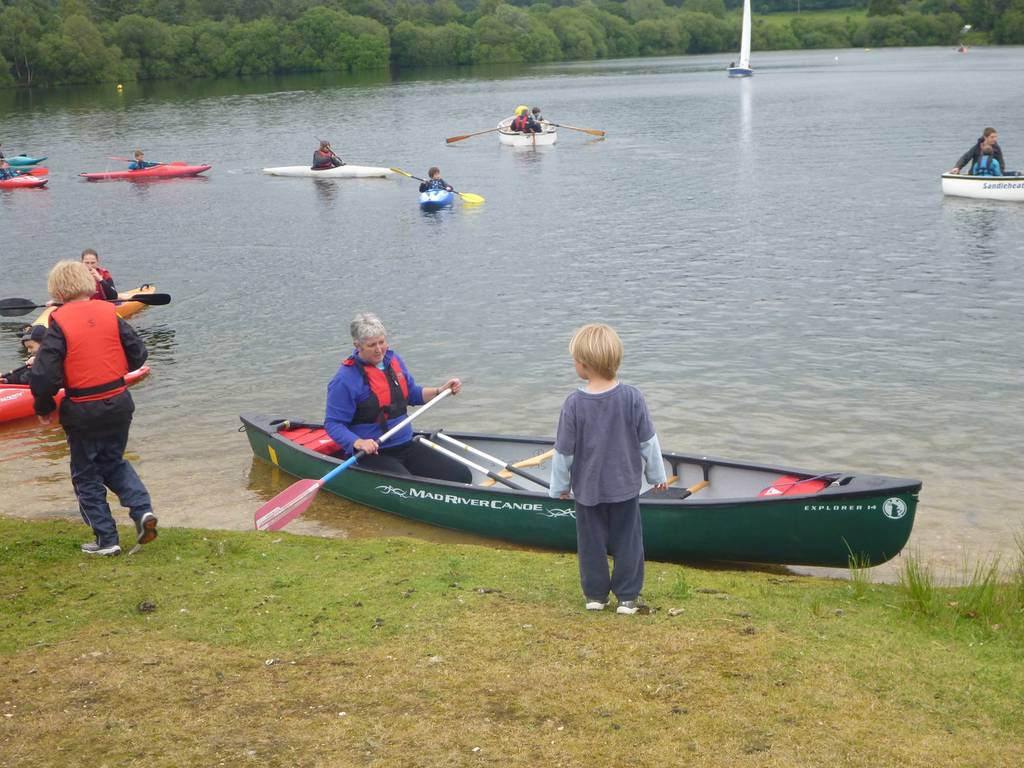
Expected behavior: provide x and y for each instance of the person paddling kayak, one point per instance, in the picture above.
(325, 158)
(5, 170)
(434, 181)
(140, 163)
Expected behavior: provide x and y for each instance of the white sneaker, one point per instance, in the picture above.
(628, 607)
(593, 604)
(92, 548)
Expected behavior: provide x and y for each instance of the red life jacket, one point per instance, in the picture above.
(99, 291)
(521, 123)
(95, 364)
(389, 392)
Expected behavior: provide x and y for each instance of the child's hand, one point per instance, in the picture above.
(564, 496)
(661, 487)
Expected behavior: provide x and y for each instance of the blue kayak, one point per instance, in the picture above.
(24, 160)
(433, 199)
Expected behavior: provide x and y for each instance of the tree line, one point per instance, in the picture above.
(46, 42)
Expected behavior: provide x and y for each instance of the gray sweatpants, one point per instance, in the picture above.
(610, 529)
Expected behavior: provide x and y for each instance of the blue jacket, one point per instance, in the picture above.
(430, 184)
(987, 165)
(136, 165)
(346, 390)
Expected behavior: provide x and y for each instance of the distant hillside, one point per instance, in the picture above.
(46, 42)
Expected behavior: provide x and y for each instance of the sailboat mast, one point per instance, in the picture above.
(745, 36)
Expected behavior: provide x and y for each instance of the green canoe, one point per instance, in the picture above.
(724, 518)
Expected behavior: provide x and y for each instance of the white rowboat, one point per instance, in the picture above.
(341, 172)
(984, 187)
(511, 138)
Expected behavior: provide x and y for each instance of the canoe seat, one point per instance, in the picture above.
(791, 485)
(315, 439)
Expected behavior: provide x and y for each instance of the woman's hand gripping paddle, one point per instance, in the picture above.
(296, 498)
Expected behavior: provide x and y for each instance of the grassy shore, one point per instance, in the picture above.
(219, 648)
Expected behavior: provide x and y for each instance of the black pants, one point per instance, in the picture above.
(411, 458)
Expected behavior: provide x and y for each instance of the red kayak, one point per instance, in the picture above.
(20, 182)
(164, 171)
(16, 399)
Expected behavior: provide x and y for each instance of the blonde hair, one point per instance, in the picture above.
(70, 280)
(599, 348)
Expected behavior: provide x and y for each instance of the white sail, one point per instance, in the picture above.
(745, 37)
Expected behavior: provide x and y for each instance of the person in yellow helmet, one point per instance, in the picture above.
(523, 122)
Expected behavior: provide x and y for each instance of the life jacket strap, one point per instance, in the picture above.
(99, 389)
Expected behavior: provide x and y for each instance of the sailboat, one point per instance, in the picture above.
(743, 70)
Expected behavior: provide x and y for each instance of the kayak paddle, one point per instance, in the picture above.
(296, 498)
(453, 139)
(469, 197)
(15, 307)
(591, 131)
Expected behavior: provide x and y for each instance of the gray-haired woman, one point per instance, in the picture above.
(370, 394)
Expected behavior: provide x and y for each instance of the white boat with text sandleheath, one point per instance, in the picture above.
(341, 172)
(743, 70)
(512, 138)
(984, 187)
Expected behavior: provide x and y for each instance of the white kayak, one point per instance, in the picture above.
(511, 138)
(984, 187)
(341, 172)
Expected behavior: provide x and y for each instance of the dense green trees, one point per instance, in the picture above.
(72, 41)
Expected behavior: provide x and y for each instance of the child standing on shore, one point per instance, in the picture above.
(605, 444)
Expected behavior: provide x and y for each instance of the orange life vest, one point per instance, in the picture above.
(389, 392)
(95, 364)
(521, 123)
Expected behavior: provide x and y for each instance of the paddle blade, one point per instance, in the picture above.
(469, 197)
(15, 307)
(152, 299)
(286, 506)
(453, 139)
(400, 172)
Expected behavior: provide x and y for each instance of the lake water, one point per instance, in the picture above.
(788, 279)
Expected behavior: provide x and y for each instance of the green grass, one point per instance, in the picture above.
(247, 649)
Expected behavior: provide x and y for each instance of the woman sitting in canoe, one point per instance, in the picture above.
(434, 181)
(104, 282)
(140, 163)
(369, 395)
(324, 158)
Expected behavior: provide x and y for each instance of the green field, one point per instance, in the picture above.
(244, 649)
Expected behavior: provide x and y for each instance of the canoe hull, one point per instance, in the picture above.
(344, 172)
(168, 171)
(24, 160)
(739, 72)
(510, 138)
(1009, 188)
(435, 199)
(23, 182)
(16, 400)
(871, 517)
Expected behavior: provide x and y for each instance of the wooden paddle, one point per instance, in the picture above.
(533, 461)
(15, 307)
(469, 197)
(296, 498)
(453, 139)
(466, 462)
(591, 131)
(493, 459)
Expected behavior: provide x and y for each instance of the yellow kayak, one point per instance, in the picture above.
(123, 309)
